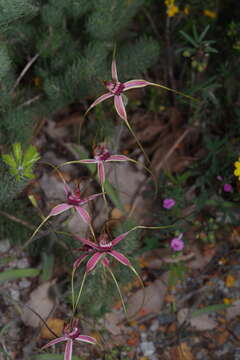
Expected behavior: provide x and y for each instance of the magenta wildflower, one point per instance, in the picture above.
(177, 244)
(99, 252)
(227, 188)
(168, 203)
(74, 200)
(101, 156)
(71, 334)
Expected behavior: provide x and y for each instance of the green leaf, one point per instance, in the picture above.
(189, 38)
(201, 37)
(209, 309)
(48, 263)
(17, 151)
(18, 273)
(9, 160)
(31, 156)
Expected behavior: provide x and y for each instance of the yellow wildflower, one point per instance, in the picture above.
(172, 10)
(237, 170)
(227, 301)
(186, 10)
(209, 13)
(230, 280)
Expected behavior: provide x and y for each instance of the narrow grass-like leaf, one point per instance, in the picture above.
(209, 309)
(17, 274)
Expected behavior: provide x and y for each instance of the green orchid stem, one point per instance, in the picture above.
(37, 229)
(175, 91)
(72, 288)
(137, 141)
(80, 292)
(119, 291)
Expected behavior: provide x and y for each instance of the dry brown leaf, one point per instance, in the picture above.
(41, 302)
(56, 325)
(184, 352)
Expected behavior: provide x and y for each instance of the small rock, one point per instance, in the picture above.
(147, 348)
(22, 263)
(154, 326)
(4, 246)
(232, 312)
(166, 319)
(237, 354)
(24, 284)
(15, 295)
(201, 323)
(153, 299)
(236, 329)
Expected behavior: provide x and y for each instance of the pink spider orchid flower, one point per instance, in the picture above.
(73, 200)
(102, 155)
(99, 252)
(71, 334)
(116, 89)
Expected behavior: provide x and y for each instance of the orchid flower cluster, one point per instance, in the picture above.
(98, 250)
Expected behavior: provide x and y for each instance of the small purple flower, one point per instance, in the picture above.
(227, 188)
(168, 203)
(71, 334)
(177, 244)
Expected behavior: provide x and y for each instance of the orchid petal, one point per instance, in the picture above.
(120, 257)
(114, 71)
(120, 238)
(68, 350)
(84, 214)
(134, 84)
(77, 262)
(87, 339)
(117, 158)
(105, 262)
(101, 172)
(87, 161)
(54, 342)
(92, 197)
(99, 100)
(87, 242)
(119, 106)
(93, 261)
(60, 209)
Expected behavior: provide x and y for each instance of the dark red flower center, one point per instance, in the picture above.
(101, 153)
(115, 88)
(74, 198)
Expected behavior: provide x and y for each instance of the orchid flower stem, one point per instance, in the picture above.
(137, 141)
(92, 231)
(80, 292)
(174, 91)
(104, 196)
(28, 242)
(72, 287)
(119, 291)
(56, 168)
(149, 171)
